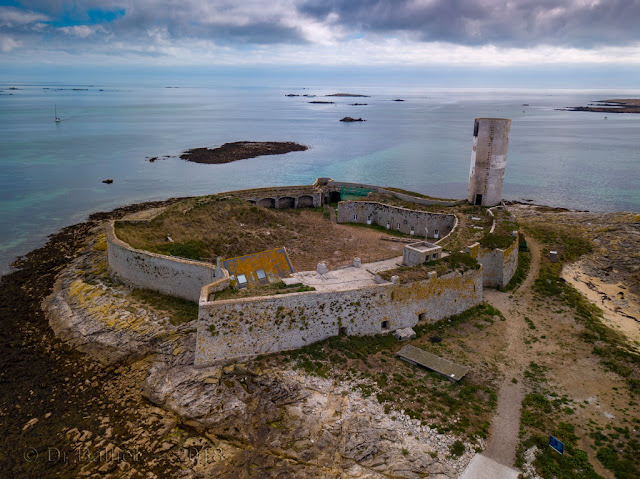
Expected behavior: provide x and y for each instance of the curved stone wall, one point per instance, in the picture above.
(416, 222)
(166, 274)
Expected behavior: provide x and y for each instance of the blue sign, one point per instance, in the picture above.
(556, 445)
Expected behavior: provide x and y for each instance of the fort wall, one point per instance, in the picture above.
(416, 222)
(166, 274)
(498, 265)
(238, 328)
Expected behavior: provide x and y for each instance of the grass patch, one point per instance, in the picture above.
(179, 310)
(457, 449)
(417, 195)
(459, 261)
(455, 261)
(612, 346)
(542, 414)
(574, 464)
(383, 230)
(522, 270)
(493, 241)
(266, 290)
(369, 363)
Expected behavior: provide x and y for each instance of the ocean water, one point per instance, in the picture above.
(52, 172)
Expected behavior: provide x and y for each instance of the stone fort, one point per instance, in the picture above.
(356, 299)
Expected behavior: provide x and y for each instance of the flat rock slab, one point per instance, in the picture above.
(482, 467)
(447, 368)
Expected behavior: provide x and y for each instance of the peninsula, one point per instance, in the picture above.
(619, 105)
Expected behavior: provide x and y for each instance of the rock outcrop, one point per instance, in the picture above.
(300, 424)
(99, 320)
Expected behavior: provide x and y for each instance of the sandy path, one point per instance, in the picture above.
(506, 422)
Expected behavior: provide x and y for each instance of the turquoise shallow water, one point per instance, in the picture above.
(52, 173)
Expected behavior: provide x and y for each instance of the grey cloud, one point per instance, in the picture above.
(518, 23)
(11, 16)
(224, 21)
(502, 22)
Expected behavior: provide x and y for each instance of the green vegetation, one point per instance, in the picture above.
(207, 227)
(459, 261)
(542, 414)
(417, 195)
(370, 364)
(266, 290)
(455, 261)
(493, 241)
(524, 264)
(382, 229)
(179, 310)
(574, 464)
(612, 347)
(457, 449)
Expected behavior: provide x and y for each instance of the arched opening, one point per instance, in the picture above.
(267, 203)
(305, 201)
(287, 202)
(334, 197)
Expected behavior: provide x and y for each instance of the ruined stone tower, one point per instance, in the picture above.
(488, 160)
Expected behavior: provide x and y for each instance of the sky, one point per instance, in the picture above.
(583, 43)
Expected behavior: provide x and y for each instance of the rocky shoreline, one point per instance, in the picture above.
(627, 105)
(48, 388)
(240, 150)
(95, 413)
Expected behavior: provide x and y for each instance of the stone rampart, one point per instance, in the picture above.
(238, 328)
(416, 222)
(166, 274)
(498, 265)
(401, 196)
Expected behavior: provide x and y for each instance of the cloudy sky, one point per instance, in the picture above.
(580, 35)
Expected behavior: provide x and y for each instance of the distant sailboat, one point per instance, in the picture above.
(55, 109)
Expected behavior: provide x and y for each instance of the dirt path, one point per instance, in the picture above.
(506, 422)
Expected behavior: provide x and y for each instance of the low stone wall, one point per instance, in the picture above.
(166, 274)
(498, 265)
(239, 328)
(398, 219)
(401, 196)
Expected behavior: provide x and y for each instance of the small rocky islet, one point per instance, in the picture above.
(616, 105)
(240, 150)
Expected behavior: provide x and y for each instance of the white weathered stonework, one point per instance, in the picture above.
(240, 328)
(411, 222)
(488, 160)
(169, 275)
(498, 265)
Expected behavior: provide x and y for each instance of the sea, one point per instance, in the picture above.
(52, 173)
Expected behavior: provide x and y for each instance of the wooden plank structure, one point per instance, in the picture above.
(449, 369)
